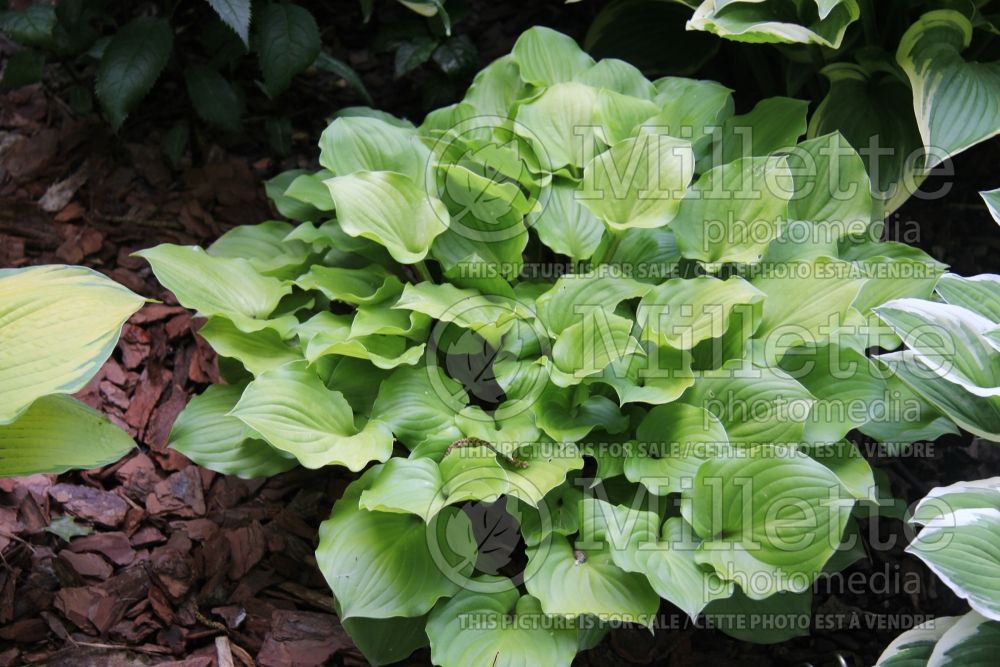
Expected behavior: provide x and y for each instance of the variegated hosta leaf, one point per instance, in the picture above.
(873, 109)
(502, 629)
(992, 199)
(546, 57)
(58, 324)
(390, 209)
(226, 286)
(775, 21)
(207, 434)
(960, 541)
(980, 294)
(383, 565)
(57, 433)
(292, 409)
(913, 648)
(639, 181)
(748, 508)
(955, 101)
(971, 641)
(734, 211)
(950, 340)
(664, 554)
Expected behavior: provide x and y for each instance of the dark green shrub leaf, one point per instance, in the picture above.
(287, 41)
(216, 101)
(235, 14)
(130, 65)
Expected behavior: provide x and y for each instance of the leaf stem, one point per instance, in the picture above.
(423, 271)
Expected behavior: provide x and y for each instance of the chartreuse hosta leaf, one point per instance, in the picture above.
(294, 412)
(672, 441)
(359, 143)
(691, 108)
(960, 541)
(748, 507)
(390, 209)
(546, 57)
(574, 296)
(504, 628)
(265, 246)
(567, 226)
(774, 123)
(771, 21)
(558, 125)
(774, 619)
(489, 317)
(384, 564)
(755, 405)
(733, 211)
(207, 434)
(415, 402)
(665, 553)
(682, 313)
(58, 324)
(57, 433)
(327, 334)
(355, 286)
(226, 286)
(954, 101)
(639, 181)
(259, 352)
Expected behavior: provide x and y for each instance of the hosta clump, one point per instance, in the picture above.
(585, 344)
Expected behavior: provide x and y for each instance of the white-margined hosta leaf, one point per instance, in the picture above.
(956, 103)
(390, 209)
(207, 434)
(292, 409)
(960, 541)
(58, 324)
(913, 648)
(980, 294)
(774, 21)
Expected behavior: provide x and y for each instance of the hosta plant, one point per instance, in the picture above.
(908, 83)
(58, 324)
(592, 341)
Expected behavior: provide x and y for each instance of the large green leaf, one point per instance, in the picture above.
(749, 508)
(58, 324)
(567, 226)
(32, 26)
(778, 618)
(546, 57)
(415, 402)
(692, 107)
(501, 629)
(359, 143)
(287, 41)
(639, 181)
(575, 295)
(207, 434)
(259, 351)
(955, 102)
(382, 565)
(774, 123)
(489, 317)
(390, 209)
(57, 433)
(672, 441)
(571, 581)
(215, 99)
(980, 294)
(130, 65)
(212, 285)
(558, 125)
(292, 409)
(733, 211)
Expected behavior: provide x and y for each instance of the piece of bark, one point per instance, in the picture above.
(87, 564)
(180, 494)
(90, 504)
(113, 546)
(302, 639)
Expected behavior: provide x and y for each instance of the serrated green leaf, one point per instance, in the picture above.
(287, 41)
(236, 15)
(215, 99)
(130, 65)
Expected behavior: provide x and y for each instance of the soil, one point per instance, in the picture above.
(177, 565)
